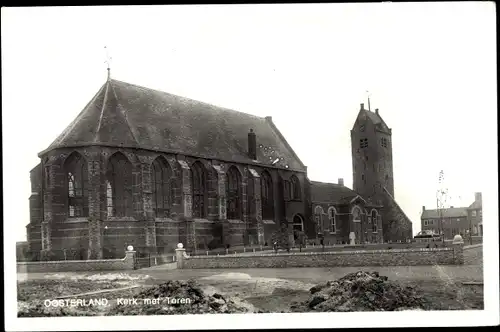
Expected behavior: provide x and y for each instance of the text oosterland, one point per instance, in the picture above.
(118, 301)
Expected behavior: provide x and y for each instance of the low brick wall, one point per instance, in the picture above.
(127, 263)
(394, 257)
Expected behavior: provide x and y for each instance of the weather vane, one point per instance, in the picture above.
(108, 60)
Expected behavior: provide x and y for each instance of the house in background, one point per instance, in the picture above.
(455, 220)
(475, 215)
(451, 221)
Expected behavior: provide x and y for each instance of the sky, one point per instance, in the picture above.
(430, 69)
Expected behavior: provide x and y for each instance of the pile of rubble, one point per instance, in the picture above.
(179, 297)
(361, 291)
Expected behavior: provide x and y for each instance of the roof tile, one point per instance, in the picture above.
(446, 213)
(127, 115)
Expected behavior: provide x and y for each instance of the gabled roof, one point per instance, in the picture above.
(36, 168)
(476, 205)
(374, 118)
(127, 115)
(322, 192)
(393, 201)
(445, 213)
(331, 192)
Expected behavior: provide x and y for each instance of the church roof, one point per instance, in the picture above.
(445, 213)
(322, 192)
(127, 115)
(476, 205)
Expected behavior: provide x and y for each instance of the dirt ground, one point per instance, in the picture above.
(269, 290)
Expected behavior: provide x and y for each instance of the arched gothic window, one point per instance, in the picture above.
(356, 214)
(332, 216)
(251, 196)
(119, 182)
(318, 219)
(266, 188)
(75, 168)
(295, 192)
(233, 203)
(199, 185)
(161, 175)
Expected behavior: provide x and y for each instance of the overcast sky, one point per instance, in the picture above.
(430, 69)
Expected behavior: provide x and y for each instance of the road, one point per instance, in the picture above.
(472, 270)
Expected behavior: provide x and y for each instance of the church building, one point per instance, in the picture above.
(150, 169)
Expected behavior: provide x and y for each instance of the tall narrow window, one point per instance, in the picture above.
(233, 194)
(251, 197)
(109, 198)
(383, 142)
(286, 190)
(76, 171)
(374, 221)
(161, 175)
(119, 177)
(318, 219)
(199, 185)
(295, 191)
(356, 214)
(332, 213)
(266, 188)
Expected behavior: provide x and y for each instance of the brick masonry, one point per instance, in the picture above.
(52, 229)
(396, 257)
(127, 263)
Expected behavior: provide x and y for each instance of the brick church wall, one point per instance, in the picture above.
(51, 229)
(397, 227)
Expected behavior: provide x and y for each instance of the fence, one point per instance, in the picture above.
(125, 263)
(385, 257)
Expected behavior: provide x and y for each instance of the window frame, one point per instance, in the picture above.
(199, 182)
(76, 170)
(121, 180)
(266, 195)
(356, 207)
(233, 194)
(161, 174)
(375, 213)
(332, 218)
(318, 218)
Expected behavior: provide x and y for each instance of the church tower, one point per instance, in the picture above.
(371, 145)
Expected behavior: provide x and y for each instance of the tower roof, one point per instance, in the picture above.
(374, 117)
(127, 115)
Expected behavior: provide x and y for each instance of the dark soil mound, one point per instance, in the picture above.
(178, 297)
(361, 291)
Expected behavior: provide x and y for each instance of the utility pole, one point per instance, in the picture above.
(441, 201)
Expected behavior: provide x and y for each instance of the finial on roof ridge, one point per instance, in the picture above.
(108, 62)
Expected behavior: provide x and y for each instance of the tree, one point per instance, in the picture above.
(280, 238)
(441, 200)
(300, 238)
